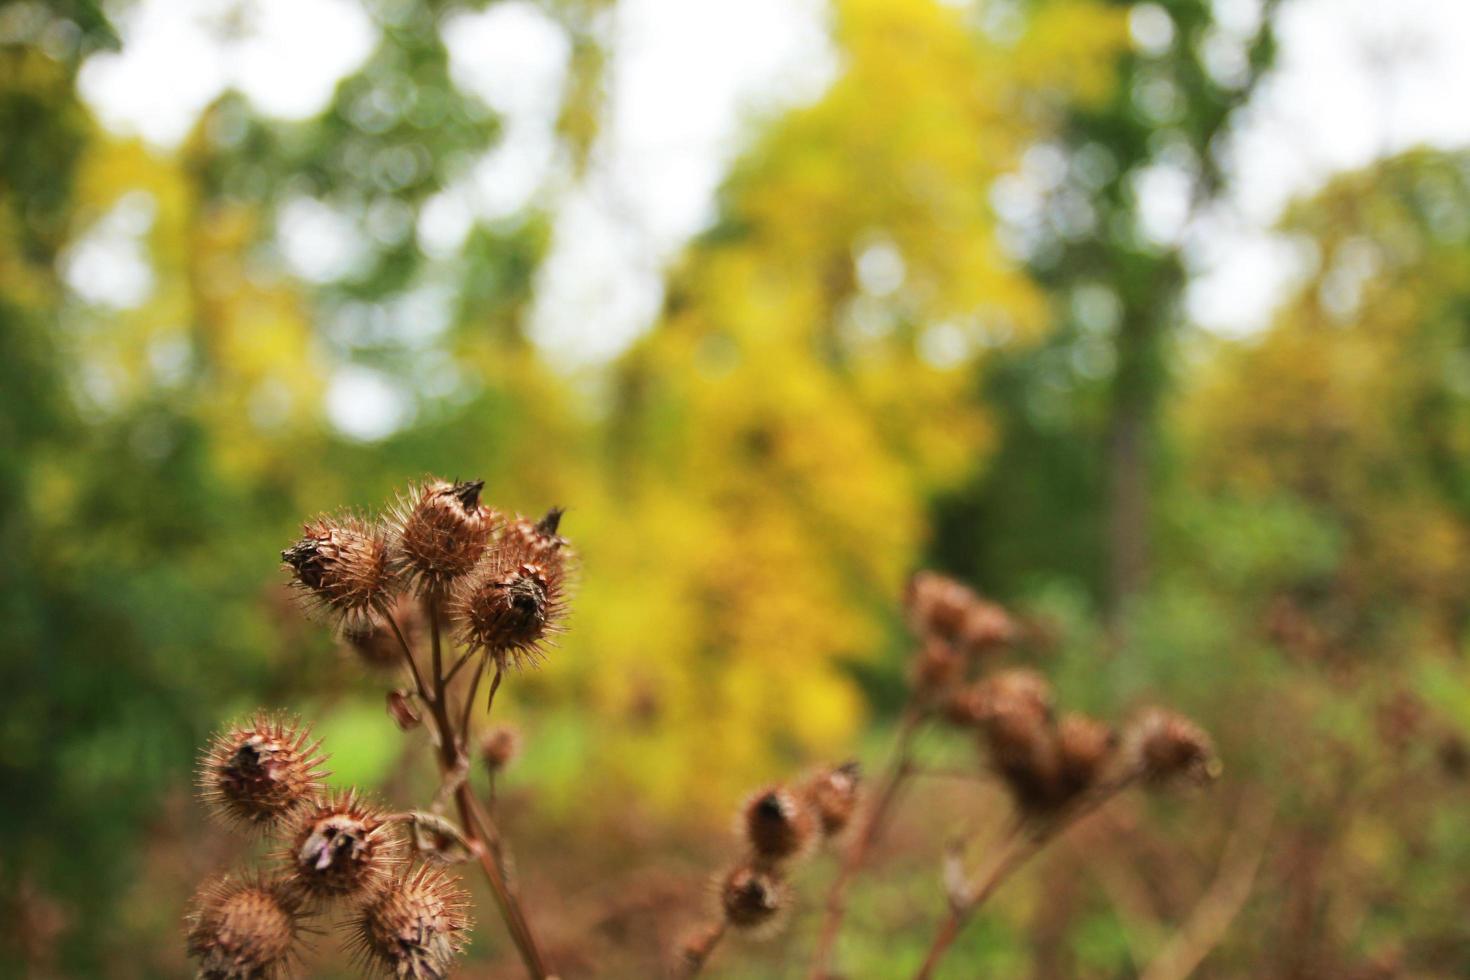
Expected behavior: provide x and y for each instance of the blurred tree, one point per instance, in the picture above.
(809, 384)
(1078, 457)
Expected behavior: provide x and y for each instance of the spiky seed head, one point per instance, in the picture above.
(512, 603)
(242, 928)
(777, 824)
(340, 847)
(440, 531)
(937, 605)
(1085, 746)
(415, 929)
(261, 771)
(753, 898)
(539, 538)
(965, 707)
(1016, 730)
(986, 627)
(1168, 747)
(341, 565)
(499, 746)
(937, 668)
(833, 795)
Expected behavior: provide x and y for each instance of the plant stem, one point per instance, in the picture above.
(866, 833)
(697, 954)
(479, 829)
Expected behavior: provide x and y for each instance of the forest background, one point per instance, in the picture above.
(948, 294)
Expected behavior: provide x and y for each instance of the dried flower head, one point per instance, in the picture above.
(242, 928)
(938, 605)
(937, 668)
(514, 600)
(1022, 745)
(1085, 746)
(499, 746)
(539, 539)
(833, 795)
(260, 771)
(1167, 747)
(341, 847)
(415, 929)
(777, 824)
(753, 898)
(965, 707)
(341, 564)
(441, 529)
(986, 626)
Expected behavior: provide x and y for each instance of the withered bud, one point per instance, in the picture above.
(242, 928)
(341, 565)
(937, 668)
(509, 607)
(415, 929)
(1016, 686)
(441, 531)
(342, 847)
(965, 707)
(833, 794)
(1169, 747)
(1021, 741)
(261, 771)
(376, 646)
(539, 539)
(499, 746)
(986, 626)
(753, 898)
(777, 824)
(937, 605)
(401, 709)
(1086, 747)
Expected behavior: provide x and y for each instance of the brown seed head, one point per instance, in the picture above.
(966, 707)
(341, 564)
(938, 605)
(415, 929)
(753, 898)
(1086, 746)
(986, 626)
(261, 771)
(937, 668)
(1016, 728)
(833, 795)
(242, 928)
(513, 602)
(499, 746)
(1168, 747)
(539, 539)
(777, 824)
(341, 847)
(441, 530)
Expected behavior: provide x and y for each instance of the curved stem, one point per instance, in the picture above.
(694, 956)
(867, 832)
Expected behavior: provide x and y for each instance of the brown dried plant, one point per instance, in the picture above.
(446, 567)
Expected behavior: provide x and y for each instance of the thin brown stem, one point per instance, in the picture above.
(480, 831)
(469, 703)
(463, 659)
(697, 952)
(899, 768)
(494, 686)
(413, 667)
(1018, 849)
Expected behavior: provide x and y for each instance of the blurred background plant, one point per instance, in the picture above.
(782, 301)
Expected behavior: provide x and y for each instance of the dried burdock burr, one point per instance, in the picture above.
(514, 600)
(414, 930)
(1168, 747)
(833, 795)
(341, 847)
(1085, 746)
(937, 606)
(539, 538)
(986, 626)
(937, 668)
(499, 746)
(341, 565)
(260, 771)
(778, 825)
(440, 531)
(243, 928)
(752, 898)
(1017, 731)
